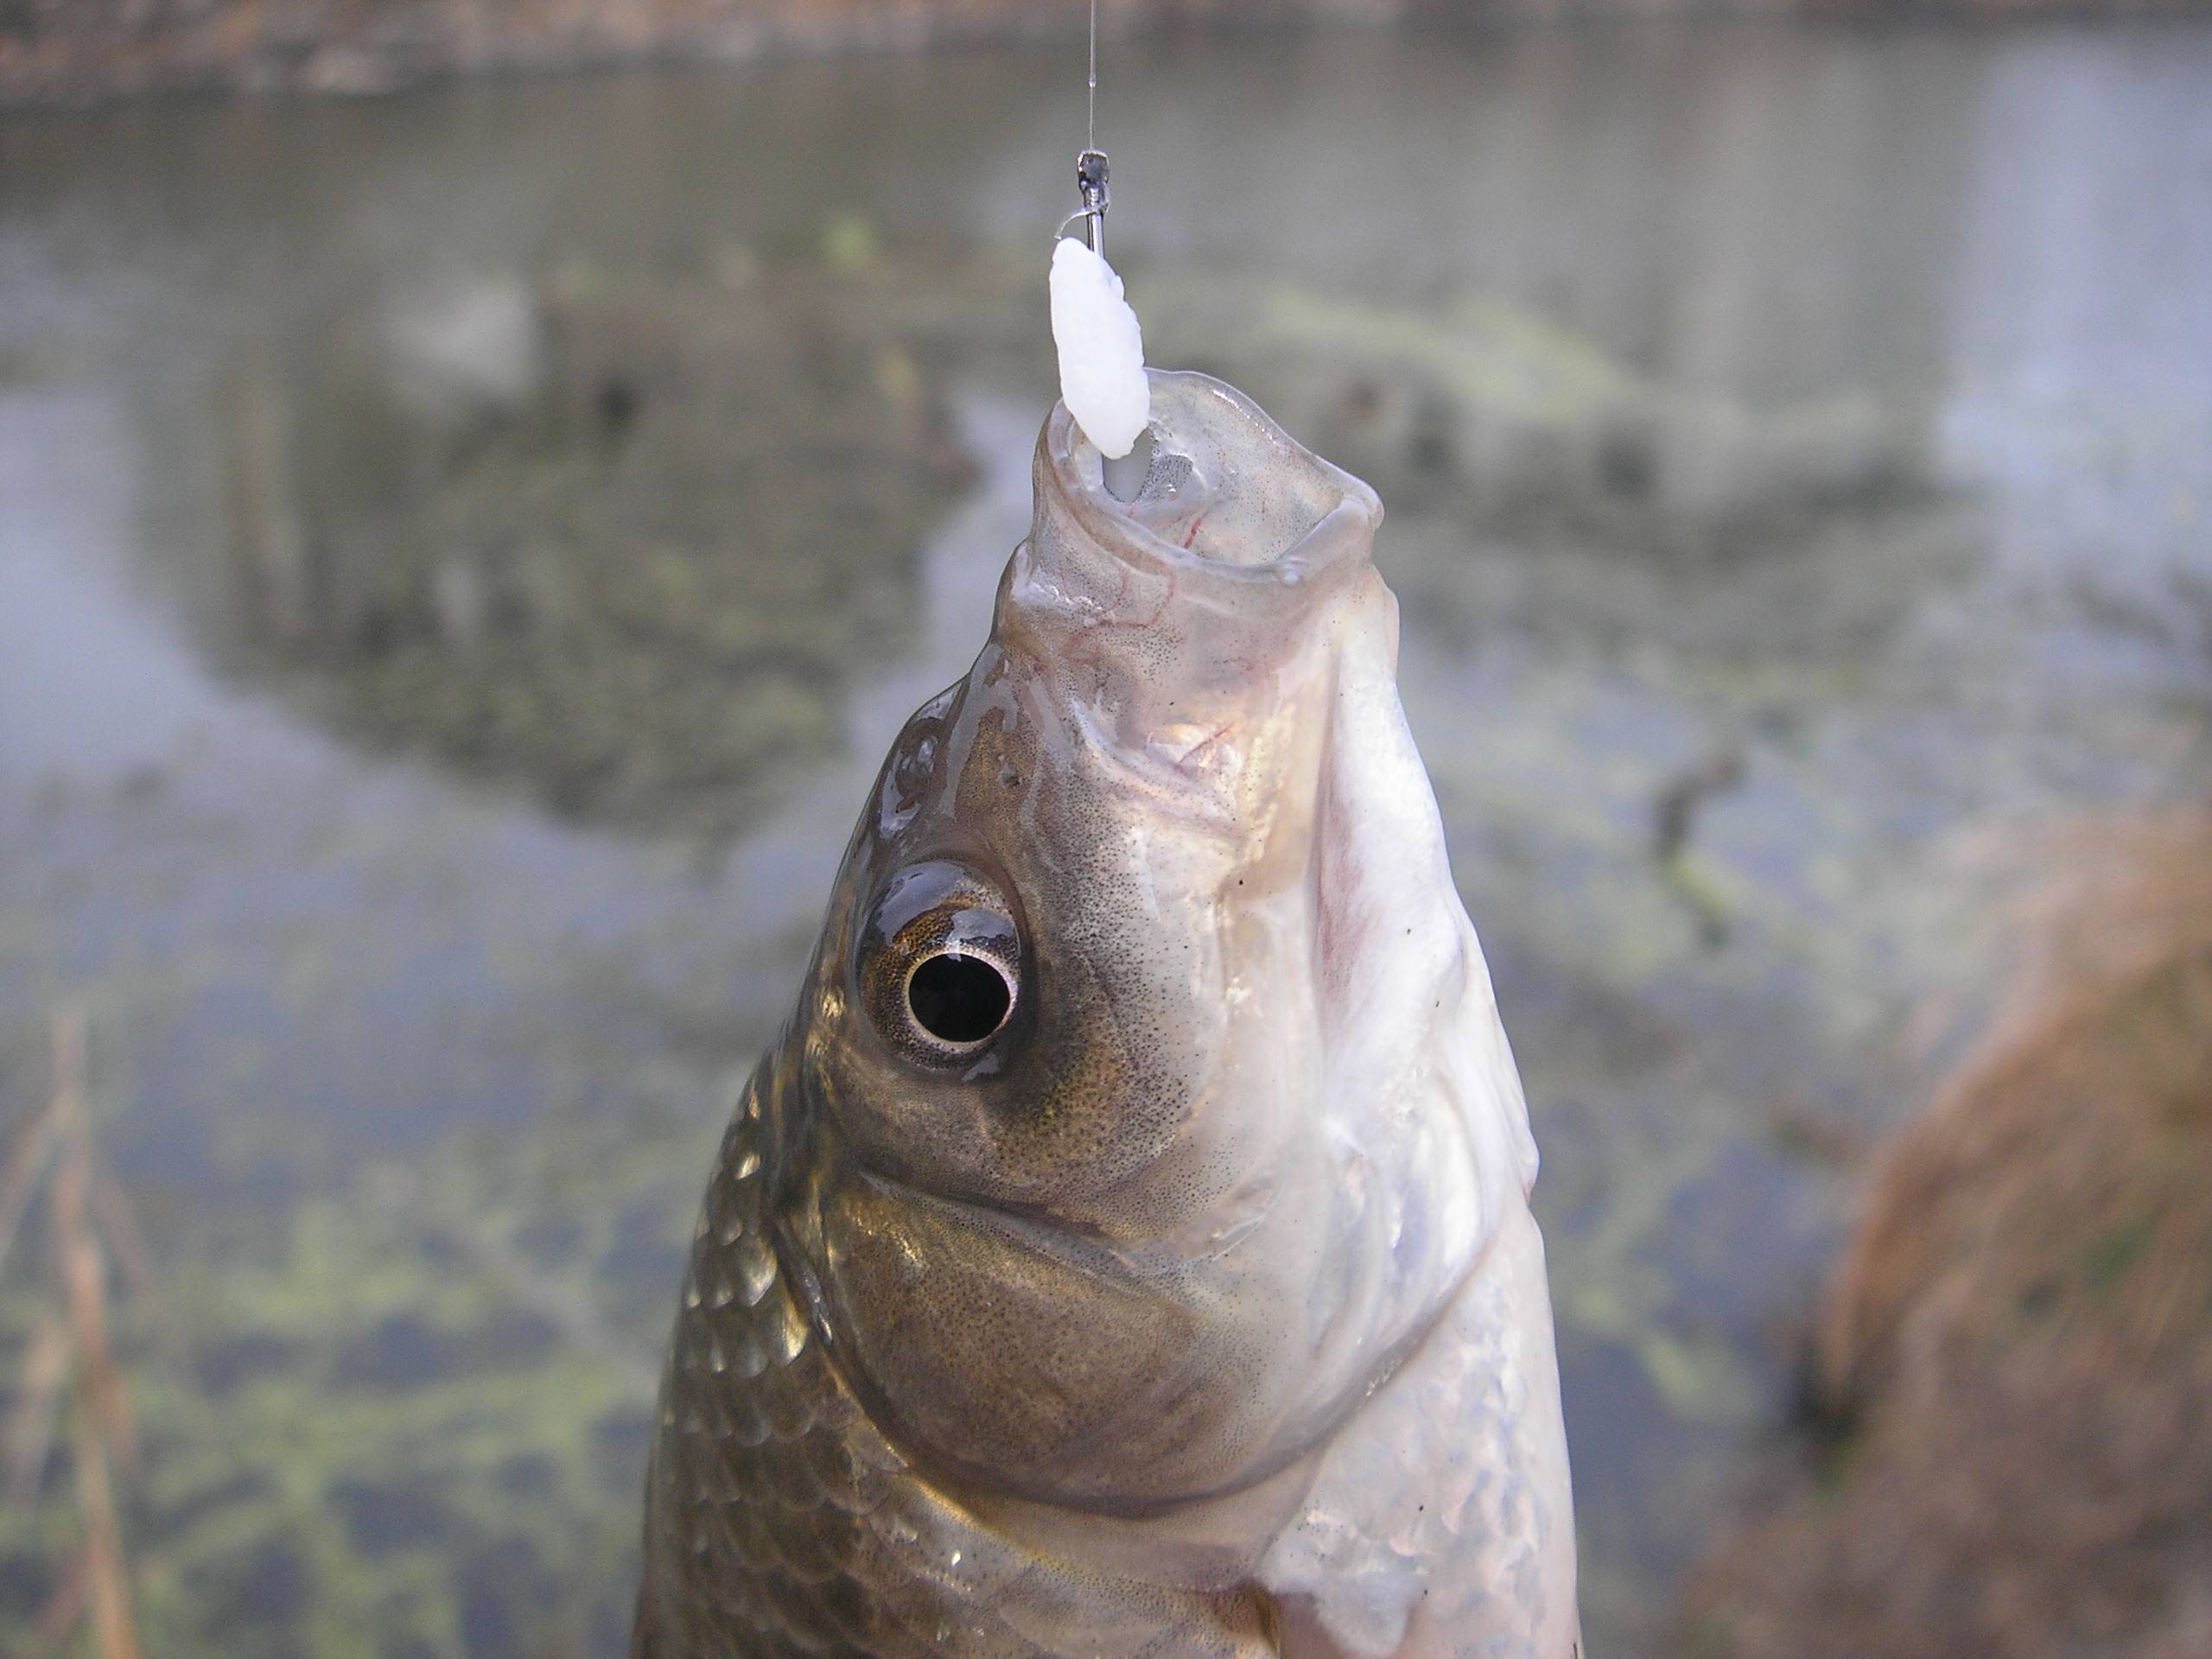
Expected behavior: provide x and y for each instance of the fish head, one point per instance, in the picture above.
(1146, 1097)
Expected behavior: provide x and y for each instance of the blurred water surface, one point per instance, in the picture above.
(462, 555)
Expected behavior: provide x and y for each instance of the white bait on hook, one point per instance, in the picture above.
(1101, 350)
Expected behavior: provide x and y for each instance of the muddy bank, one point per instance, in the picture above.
(2015, 1375)
(89, 50)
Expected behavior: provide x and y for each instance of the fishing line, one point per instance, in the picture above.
(1090, 166)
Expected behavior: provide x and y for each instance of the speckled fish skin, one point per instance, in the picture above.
(1195, 1309)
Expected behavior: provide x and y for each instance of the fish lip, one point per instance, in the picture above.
(1068, 475)
(1033, 1225)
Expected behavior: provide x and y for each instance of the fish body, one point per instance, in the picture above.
(1124, 1249)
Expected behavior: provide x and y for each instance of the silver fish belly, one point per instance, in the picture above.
(1125, 1249)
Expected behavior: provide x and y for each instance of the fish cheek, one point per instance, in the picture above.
(1035, 1375)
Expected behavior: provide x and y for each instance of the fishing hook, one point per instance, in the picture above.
(1091, 175)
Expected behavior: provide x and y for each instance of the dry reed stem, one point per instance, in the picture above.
(91, 1233)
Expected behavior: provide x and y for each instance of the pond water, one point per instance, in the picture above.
(462, 556)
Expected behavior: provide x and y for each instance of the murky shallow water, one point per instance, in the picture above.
(1798, 449)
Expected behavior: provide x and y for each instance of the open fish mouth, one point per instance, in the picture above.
(1208, 447)
(1170, 617)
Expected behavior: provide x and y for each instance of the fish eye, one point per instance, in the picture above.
(958, 999)
(938, 964)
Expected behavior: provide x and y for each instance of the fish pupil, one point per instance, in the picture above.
(958, 999)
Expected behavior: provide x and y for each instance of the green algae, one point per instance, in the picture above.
(280, 1447)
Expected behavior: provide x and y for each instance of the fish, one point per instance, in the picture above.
(1124, 1248)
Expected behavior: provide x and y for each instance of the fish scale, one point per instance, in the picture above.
(781, 1521)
